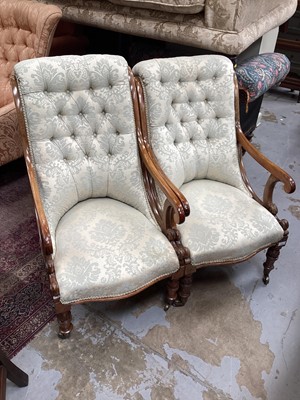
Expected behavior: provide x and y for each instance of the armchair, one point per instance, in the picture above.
(190, 128)
(26, 31)
(99, 237)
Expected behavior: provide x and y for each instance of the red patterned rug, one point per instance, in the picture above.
(25, 301)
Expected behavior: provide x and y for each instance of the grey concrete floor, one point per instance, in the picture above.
(235, 338)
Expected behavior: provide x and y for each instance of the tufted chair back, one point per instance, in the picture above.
(26, 31)
(191, 116)
(81, 131)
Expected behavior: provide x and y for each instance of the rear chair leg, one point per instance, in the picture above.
(172, 291)
(274, 251)
(64, 318)
(184, 292)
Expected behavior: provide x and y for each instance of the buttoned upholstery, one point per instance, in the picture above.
(81, 131)
(191, 122)
(26, 31)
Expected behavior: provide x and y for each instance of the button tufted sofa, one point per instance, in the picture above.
(26, 31)
(219, 26)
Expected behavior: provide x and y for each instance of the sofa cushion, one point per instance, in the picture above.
(176, 6)
(227, 224)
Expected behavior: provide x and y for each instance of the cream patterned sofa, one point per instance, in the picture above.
(221, 26)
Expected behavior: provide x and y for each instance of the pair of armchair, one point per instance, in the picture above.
(26, 31)
(119, 158)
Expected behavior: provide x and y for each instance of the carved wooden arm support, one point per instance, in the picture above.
(175, 207)
(277, 174)
(43, 227)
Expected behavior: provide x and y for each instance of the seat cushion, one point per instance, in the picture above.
(225, 225)
(105, 248)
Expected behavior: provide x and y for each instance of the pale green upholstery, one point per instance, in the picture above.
(81, 131)
(191, 122)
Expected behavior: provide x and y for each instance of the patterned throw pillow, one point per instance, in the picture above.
(258, 74)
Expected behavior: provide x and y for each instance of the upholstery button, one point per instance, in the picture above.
(95, 134)
(73, 136)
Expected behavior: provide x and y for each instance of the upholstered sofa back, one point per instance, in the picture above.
(25, 32)
(224, 26)
(191, 117)
(82, 131)
(236, 15)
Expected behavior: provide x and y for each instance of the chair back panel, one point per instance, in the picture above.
(191, 117)
(26, 31)
(81, 131)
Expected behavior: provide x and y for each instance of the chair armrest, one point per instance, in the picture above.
(43, 226)
(152, 171)
(277, 174)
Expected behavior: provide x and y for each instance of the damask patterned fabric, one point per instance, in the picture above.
(258, 74)
(208, 29)
(81, 130)
(191, 122)
(177, 6)
(10, 143)
(225, 224)
(113, 247)
(235, 15)
(192, 118)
